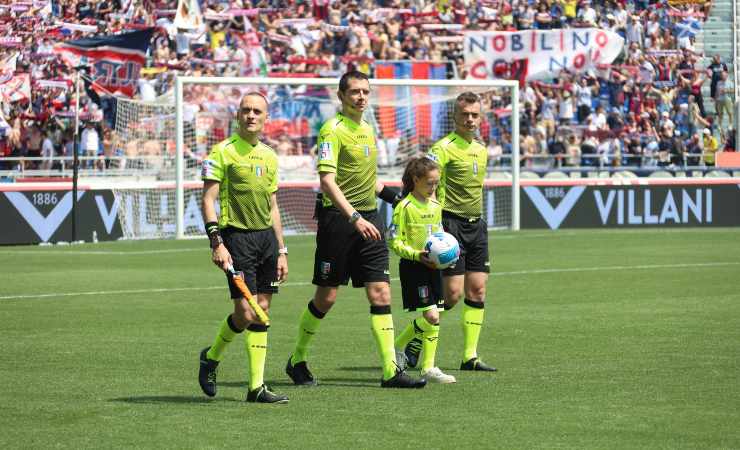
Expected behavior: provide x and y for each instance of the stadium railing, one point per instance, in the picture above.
(160, 167)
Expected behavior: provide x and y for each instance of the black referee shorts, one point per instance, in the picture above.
(472, 235)
(342, 253)
(255, 253)
(421, 287)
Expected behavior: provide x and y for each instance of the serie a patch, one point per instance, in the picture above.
(208, 168)
(325, 150)
(423, 291)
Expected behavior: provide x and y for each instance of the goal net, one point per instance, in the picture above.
(408, 116)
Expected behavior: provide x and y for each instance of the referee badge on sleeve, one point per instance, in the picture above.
(325, 150)
(207, 169)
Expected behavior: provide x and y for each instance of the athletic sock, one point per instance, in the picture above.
(472, 321)
(225, 335)
(256, 342)
(307, 327)
(429, 338)
(407, 334)
(382, 325)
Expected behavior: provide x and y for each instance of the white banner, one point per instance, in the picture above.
(77, 27)
(544, 53)
(53, 84)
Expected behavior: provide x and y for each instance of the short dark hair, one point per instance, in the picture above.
(351, 75)
(468, 98)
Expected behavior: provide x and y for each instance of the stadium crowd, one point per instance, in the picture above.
(646, 109)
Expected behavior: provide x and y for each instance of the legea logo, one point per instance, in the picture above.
(554, 216)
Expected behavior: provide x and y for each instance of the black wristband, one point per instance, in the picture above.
(211, 228)
(214, 235)
(389, 196)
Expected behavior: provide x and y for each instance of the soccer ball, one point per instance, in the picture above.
(443, 249)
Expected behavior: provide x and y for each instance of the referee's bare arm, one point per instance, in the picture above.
(277, 226)
(329, 187)
(220, 255)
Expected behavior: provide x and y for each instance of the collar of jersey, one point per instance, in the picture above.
(241, 143)
(460, 141)
(417, 203)
(350, 122)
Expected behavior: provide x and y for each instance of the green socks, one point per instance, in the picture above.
(472, 321)
(225, 335)
(256, 343)
(411, 331)
(382, 325)
(309, 324)
(429, 339)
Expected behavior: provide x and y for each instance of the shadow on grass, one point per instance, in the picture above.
(332, 381)
(236, 384)
(176, 399)
(349, 382)
(361, 369)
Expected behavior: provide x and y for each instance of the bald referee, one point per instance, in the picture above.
(240, 173)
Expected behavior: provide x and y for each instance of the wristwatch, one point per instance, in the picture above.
(283, 251)
(354, 217)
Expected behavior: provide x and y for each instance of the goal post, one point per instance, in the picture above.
(407, 114)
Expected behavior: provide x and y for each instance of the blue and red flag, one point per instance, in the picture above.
(410, 110)
(114, 61)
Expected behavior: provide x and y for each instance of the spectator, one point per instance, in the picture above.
(89, 144)
(715, 71)
(730, 140)
(693, 150)
(47, 150)
(710, 146)
(724, 90)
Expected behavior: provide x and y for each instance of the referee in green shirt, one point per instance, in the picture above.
(241, 174)
(349, 240)
(463, 161)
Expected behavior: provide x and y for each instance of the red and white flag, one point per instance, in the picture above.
(16, 89)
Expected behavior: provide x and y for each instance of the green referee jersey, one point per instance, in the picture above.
(348, 149)
(248, 177)
(463, 167)
(413, 222)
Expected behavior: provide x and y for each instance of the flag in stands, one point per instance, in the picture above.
(411, 109)
(7, 67)
(17, 88)
(688, 27)
(115, 61)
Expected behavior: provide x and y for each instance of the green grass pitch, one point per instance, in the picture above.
(603, 339)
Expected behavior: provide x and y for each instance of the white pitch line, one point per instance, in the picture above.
(598, 269)
(306, 283)
(101, 252)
